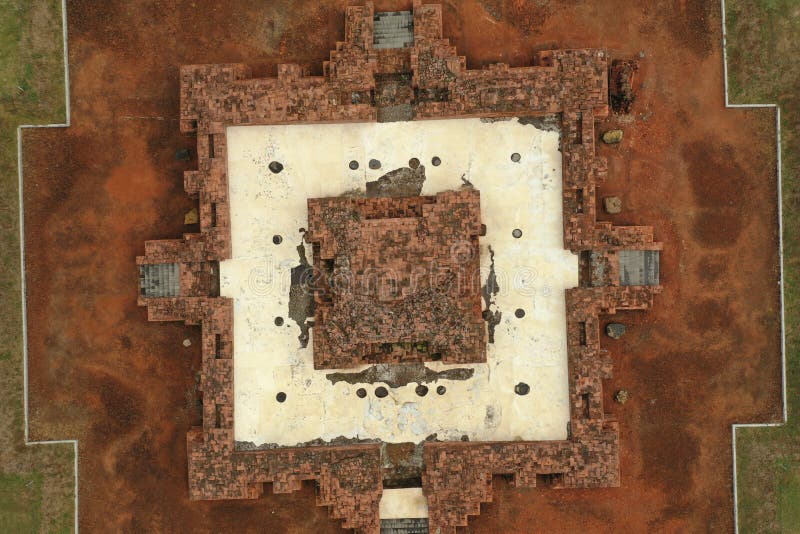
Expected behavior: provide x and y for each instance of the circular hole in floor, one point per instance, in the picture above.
(421, 390)
(277, 239)
(374, 164)
(441, 390)
(522, 389)
(436, 161)
(275, 166)
(515, 157)
(520, 313)
(280, 397)
(353, 165)
(381, 392)
(278, 321)
(413, 163)
(517, 233)
(361, 392)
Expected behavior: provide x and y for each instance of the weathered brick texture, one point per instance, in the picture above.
(457, 476)
(407, 279)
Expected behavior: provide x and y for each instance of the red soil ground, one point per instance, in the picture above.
(707, 355)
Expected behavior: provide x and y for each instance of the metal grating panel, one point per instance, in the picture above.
(159, 280)
(393, 29)
(404, 526)
(639, 267)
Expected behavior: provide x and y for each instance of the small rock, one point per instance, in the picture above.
(615, 330)
(187, 342)
(622, 396)
(612, 205)
(191, 217)
(612, 137)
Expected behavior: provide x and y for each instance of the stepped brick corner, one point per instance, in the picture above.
(360, 82)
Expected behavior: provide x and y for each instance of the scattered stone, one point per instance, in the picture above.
(421, 390)
(612, 137)
(374, 164)
(402, 182)
(519, 313)
(187, 342)
(517, 233)
(622, 396)
(191, 217)
(413, 163)
(276, 239)
(381, 392)
(515, 157)
(361, 393)
(441, 390)
(612, 205)
(522, 389)
(278, 321)
(275, 167)
(353, 165)
(615, 330)
(280, 397)
(436, 161)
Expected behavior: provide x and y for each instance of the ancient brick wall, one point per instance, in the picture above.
(457, 476)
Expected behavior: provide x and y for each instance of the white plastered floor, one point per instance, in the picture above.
(532, 273)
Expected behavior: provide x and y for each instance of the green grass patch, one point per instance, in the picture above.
(763, 46)
(788, 498)
(37, 484)
(21, 502)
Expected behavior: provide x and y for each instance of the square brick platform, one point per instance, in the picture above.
(406, 280)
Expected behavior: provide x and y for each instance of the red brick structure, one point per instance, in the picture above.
(179, 278)
(409, 268)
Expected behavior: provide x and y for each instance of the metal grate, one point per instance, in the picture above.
(159, 280)
(638, 267)
(404, 526)
(393, 29)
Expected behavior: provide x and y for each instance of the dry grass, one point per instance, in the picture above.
(763, 46)
(36, 483)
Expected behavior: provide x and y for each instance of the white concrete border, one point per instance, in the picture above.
(28, 442)
(777, 109)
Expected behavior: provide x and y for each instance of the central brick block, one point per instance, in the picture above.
(396, 279)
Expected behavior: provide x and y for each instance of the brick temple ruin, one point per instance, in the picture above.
(428, 308)
(406, 72)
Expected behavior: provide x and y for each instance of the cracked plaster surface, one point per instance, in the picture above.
(532, 273)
